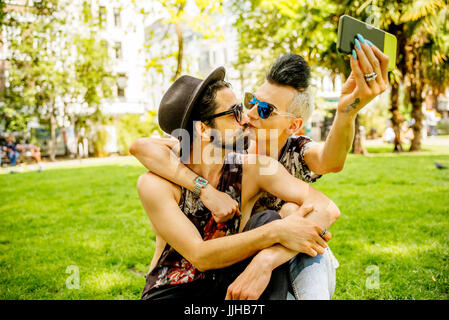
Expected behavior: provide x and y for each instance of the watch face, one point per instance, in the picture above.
(201, 181)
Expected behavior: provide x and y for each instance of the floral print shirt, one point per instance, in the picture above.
(172, 268)
(292, 158)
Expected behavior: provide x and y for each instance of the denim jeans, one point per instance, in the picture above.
(13, 156)
(313, 278)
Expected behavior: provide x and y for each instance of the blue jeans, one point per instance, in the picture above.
(13, 156)
(313, 278)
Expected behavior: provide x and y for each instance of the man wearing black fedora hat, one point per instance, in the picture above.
(195, 255)
(286, 89)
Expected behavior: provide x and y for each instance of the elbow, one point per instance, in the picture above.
(334, 169)
(201, 267)
(334, 212)
(337, 169)
(327, 169)
(135, 146)
(200, 263)
(141, 144)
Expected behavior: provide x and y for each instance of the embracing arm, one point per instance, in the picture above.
(251, 283)
(158, 198)
(158, 156)
(277, 178)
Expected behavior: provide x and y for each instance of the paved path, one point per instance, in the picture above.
(129, 160)
(122, 160)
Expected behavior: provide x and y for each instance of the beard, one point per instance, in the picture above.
(240, 141)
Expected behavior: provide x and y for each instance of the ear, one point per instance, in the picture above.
(295, 126)
(202, 130)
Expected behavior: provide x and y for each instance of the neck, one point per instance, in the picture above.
(207, 161)
(271, 148)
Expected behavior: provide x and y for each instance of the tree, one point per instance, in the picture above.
(33, 81)
(52, 68)
(174, 22)
(310, 28)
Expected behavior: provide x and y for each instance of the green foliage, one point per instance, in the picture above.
(167, 51)
(443, 126)
(269, 28)
(132, 126)
(99, 143)
(45, 77)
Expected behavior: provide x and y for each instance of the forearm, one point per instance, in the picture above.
(338, 142)
(157, 157)
(225, 251)
(274, 256)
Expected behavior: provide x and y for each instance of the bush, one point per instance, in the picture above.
(99, 143)
(443, 127)
(134, 126)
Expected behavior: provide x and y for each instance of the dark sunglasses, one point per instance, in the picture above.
(236, 109)
(264, 109)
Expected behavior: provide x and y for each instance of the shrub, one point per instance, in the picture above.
(133, 126)
(443, 127)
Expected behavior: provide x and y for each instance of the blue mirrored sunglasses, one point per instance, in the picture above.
(264, 109)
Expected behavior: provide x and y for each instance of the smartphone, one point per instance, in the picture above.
(348, 27)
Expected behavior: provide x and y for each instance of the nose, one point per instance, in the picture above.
(252, 113)
(245, 119)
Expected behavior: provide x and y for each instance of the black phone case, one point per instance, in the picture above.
(348, 27)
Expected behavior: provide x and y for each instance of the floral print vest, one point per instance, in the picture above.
(172, 268)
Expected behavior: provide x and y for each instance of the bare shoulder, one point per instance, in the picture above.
(255, 162)
(151, 186)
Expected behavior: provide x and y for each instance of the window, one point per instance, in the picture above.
(102, 16)
(121, 84)
(118, 50)
(104, 44)
(117, 20)
(86, 12)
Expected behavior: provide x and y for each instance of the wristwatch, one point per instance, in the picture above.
(200, 183)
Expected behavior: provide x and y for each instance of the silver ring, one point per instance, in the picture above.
(324, 232)
(370, 76)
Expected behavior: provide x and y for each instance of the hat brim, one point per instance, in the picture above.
(216, 75)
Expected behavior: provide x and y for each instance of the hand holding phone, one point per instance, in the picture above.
(348, 28)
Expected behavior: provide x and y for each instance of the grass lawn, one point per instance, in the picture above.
(89, 220)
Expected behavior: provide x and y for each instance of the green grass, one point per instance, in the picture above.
(394, 217)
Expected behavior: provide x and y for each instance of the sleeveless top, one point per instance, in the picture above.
(172, 268)
(292, 158)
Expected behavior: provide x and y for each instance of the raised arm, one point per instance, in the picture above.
(355, 94)
(159, 201)
(157, 155)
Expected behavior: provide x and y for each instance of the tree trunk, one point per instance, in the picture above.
(180, 52)
(52, 144)
(416, 87)
(357, 145)
(396, 117)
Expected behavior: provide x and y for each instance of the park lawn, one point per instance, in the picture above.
(394, 220)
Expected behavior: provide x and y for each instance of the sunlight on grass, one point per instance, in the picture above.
(103, 281)
(400, 249)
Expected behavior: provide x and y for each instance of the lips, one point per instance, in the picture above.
(251, 126)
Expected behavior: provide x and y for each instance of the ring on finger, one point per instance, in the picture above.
(370, 76)
(323, 233)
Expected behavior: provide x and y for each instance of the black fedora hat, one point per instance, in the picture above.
(178, 102)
